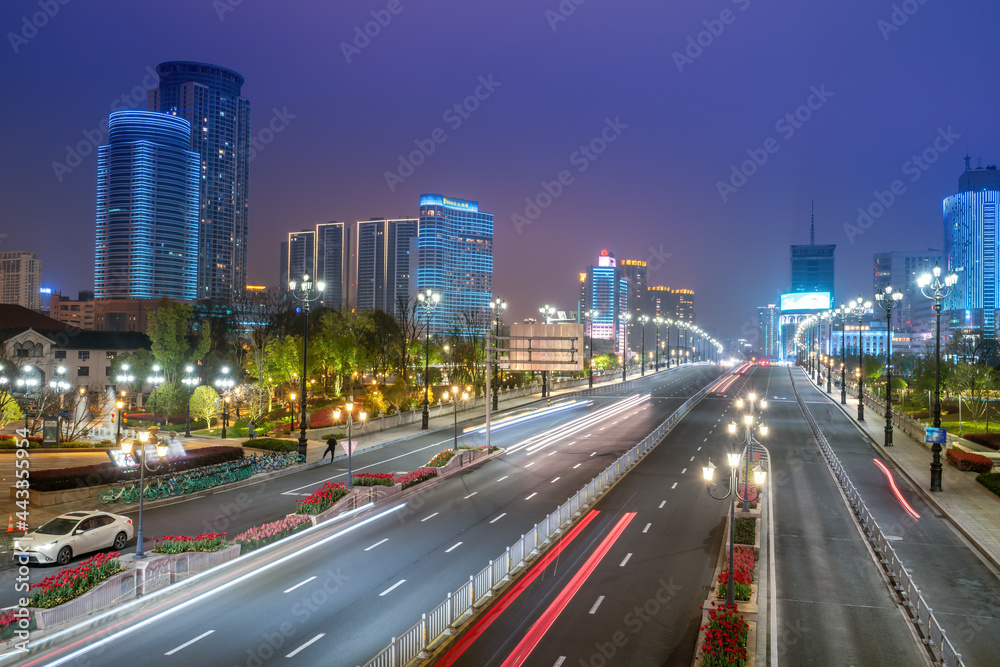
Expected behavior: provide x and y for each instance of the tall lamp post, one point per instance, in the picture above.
(669, 322)
(125, 378)
(657, 321)
(626, 317)
(454, 402)
(859, 307)
(498, 306)
(225, 384)
(842, 312)
(161, 451)
(828, 316)
(362, 415)
(643, 320)
(548, 312)
(119, 404)
(155, 380)
(889, 300)
(305, 293)
(590, 315)
(190, 381)
(429, 299)
(749, 418)
(937, 289)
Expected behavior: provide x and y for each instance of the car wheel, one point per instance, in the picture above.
(120, 540)
(65, 556)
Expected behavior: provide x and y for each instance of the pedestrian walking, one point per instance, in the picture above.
(331, 445)
(252, 428)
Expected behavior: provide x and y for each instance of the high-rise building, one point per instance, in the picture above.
(20, 278)
(209, 98)
(913, 318)
(283, 266)
(146, 243)
(634, 271)
(812, 267)
(301, 259)
(768, 341)
(322, 254)
(78, 313)
(454, 257)
(382, 256)
(606, 290)
(970, 247)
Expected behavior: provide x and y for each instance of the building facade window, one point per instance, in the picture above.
(83, 355)
(83, 371)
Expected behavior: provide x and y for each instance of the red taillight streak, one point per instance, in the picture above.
(494, 612)
(521, 652)
(895, 490)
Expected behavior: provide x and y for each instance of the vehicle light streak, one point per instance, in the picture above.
(546, 438)
(895, 490)
(514, 420)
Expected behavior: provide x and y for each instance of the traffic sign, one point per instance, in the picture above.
(938, 435)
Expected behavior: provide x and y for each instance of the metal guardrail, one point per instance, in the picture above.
(931, 632)
(461, 604)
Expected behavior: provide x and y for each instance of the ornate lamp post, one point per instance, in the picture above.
(548, 312)
(161, 450)
(657, 321)
(842, 312)
(189, 381)
(859, 307)
(590, 315)
(889, 300)
(752, 415)
(454, 402)
(362, 415)
(669, 322)
(498, 306)
(225, 385)
(429, 299)
(305, 293)
(937, 289)
(626, 317)
(125, 378)
(643, 320)
(155, 380)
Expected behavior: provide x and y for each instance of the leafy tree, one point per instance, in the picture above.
(972, 382)
(170, 398)
(205, 404)
(258, 319)
(175, 339)
(10, 411)
(378, 336)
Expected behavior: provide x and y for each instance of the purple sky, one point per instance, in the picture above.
(653, 193)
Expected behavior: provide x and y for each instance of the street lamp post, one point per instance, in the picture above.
(548, 312)
(657, 321)
(859, 307)
(305, 293)
(429, 299)
(642, 320)
(590, 315)
(155, 380)
(626, 317)
(752, 415)
(60, 386)
(498, 306)
(454, 402)
(189, 381)
(225, 384)
(362, 415)
(889, 300)
(669, 322)
(161, 451)
(842, 311)
(125, 378)
(936, 289)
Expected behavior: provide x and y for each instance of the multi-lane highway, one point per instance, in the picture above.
(341, 592)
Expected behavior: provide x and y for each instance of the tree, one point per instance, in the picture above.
(174, 337)
(409, 329)
(205, 404)
(10, 411)
(169, 398)
(378, 338)
(85, 408)
(258, 319)
(972, 382)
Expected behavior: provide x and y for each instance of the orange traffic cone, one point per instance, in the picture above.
(10, 523)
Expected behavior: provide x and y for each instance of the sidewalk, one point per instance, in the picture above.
(971, 507)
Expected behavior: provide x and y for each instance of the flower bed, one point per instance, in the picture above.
(373, 479)
(267, 533)
(745, 530)
(725, 642)
(11, 622)
(991, 440)
(419, 475)
(743, 562)
(178, 544)
(70, 583)
(321, 499)
(441, 458)
(969, 461)
(753, 496)
(480, 448)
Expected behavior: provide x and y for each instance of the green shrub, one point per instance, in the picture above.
(991, 480)
(746, 530)
(272, 444)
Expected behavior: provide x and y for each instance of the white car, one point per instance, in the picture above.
(68, 535)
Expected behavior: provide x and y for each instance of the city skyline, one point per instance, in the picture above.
(572, 148)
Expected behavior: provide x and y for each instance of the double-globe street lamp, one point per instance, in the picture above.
(657, 321)
(362, 415)
(156, 379)
(190, 381)
(225, 384)
(145, 437)
(754, 408)
(126, 378)
(643, 320)
(305, 293)
(428, 299)
(626, 318)
(859, 307)
(498, 306)
(937, 289)
(889, 300)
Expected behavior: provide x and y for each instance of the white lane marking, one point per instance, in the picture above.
(672, 487)
(503, 478)
(382, 541)
(646, 529)
(555, 480)
(662, 504)
(593, 610)
(602, 428)
(532, 495)
(572, 443)
(499, 517)
(588, 435)
(453, 547)
(429, 517)
(306, 645)
(684, 471)
(188, 643)
(390, 589)
(706, 439)
(560, 661)
(625, 560)
(692, 458)
(577, 466)
(699, 448)
(531, 464)
(303, 583)
(593, 454)
(551, 453)
(475, 492)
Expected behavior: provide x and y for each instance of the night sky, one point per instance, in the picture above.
(885, 81)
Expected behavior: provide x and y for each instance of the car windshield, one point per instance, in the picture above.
(58, 526)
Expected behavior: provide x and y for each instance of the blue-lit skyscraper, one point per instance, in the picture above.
(147, 209)
(606, 290)
(454, 257)
(970, 246)
(208, 96)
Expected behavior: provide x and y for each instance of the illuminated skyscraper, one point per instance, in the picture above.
(209, 98)
(147, 209)
(20, 278)
(322, 254)
(454, 258)
(607, 291)
(383, 262)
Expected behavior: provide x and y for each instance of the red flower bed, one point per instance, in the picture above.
(69, 583)
(743, 562)
(991, 440)
(969, 461)
(177, 544)
(373, 479)
(322, 418)
(321, 499)
(419, 475)
(725, 642)
(441, 458)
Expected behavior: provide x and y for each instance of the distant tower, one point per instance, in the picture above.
(208, 96)
(383, 262)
